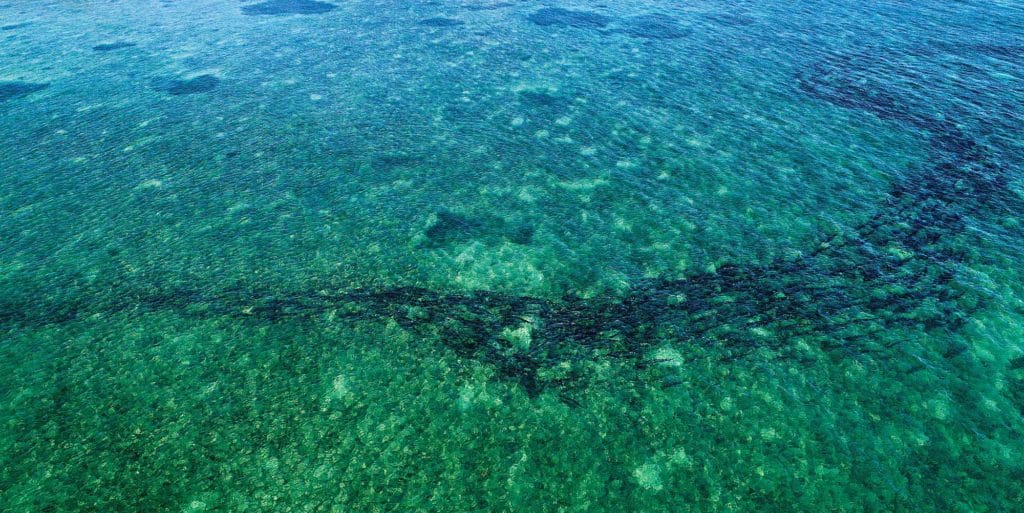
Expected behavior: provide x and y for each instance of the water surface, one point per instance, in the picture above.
(303, 255)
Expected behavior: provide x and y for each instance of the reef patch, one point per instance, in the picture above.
(284, 7)
(901, 268)
(447, 227)
(12, 90)
(195, 85)
(110, 47)
(558, 17)
(441, 22)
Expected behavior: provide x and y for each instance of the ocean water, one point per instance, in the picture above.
(469, 256)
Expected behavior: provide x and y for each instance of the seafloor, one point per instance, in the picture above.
(347, 256)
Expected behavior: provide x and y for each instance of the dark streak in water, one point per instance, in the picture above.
(284, 7)
(15, 26)
(441, 22)
(196, 85)
(12, 90)
(109, 47)
(558, 17)
(899, 269)
(451, 227)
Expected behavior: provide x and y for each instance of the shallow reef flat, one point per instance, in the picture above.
(300, 255)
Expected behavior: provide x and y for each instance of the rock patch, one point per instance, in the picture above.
(284, 7)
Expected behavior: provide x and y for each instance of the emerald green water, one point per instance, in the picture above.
(511, 256)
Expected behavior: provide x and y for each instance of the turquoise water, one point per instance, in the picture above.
(301, 255)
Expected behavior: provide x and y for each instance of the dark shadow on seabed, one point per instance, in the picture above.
(899, 269)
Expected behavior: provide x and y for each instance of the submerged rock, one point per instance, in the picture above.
(558, 17)
(11, 90)
(448, 227)
(544, 102)
(1017, 363)
(109, 47)
(441, 22)
(280, 7)
(196, 85)
(541, 98)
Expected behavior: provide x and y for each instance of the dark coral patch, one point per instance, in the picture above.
(11, 90)
(441, 22)
(519, 233)
(544, 102)
(197, 85)
(558, 17)
(280, 7)
(1017, 363)
(451, 227)
(541, 98)
(109, 47)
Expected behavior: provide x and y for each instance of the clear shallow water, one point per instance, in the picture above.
(511, 256)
